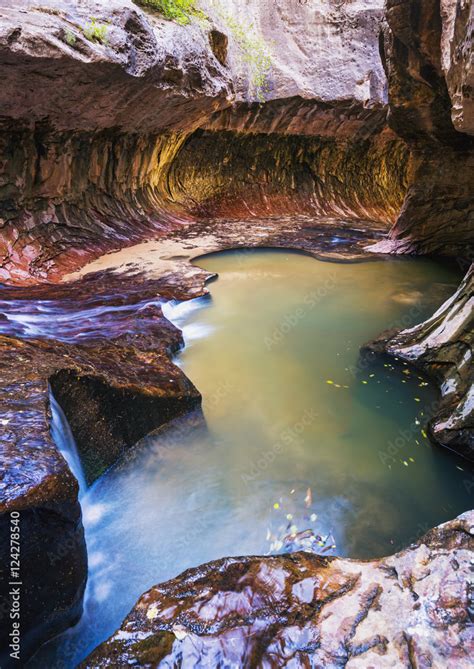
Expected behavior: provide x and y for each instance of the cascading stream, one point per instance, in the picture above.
(64, 439)
(300, 435)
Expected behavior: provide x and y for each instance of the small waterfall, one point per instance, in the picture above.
(64, 440)
(183, 316)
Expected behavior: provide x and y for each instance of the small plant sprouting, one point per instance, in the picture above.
(95, 32)
(70, 37)
(254, 52)
(180, 11)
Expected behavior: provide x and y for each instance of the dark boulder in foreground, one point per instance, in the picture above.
(411, 609)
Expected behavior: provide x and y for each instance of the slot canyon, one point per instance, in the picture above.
(236, 333)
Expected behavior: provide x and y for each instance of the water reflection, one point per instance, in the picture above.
(299, 435)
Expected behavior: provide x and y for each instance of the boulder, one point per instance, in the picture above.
(409, 609)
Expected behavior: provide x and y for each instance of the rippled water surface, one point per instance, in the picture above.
(299, 434)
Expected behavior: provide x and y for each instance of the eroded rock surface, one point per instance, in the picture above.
(409, 610)
(92, 127)
(130, 133)
(325, 51)
(105, 353)
(456, 47)
(443, 348)
(426, 53)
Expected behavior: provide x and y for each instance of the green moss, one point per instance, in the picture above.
(180, 11)
(95, 32)
(69, 37)
(254, 52)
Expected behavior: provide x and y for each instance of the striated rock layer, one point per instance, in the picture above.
(119, 126)
(427, 53)
(104, 348)
(443, 347)
(407, 610)
(107, 361)
(98, 137)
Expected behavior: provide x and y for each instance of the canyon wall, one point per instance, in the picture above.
(427, 51)
(91, 127)
(117, 126)
(108, 140)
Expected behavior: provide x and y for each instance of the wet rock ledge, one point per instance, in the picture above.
(154, 133)
(114, 379)
(443, 348)
(412, 609)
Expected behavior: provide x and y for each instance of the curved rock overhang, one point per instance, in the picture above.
(69, 196)
(104, 145)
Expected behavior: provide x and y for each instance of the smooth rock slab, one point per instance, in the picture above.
(105, 352)
(407, 610)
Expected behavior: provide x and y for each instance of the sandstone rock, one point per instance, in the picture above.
(117, 365)
(456, 45)
(409, 609)
(437, 215)
(443, 347)
(326, 51)
(145, 74)
(92, 126)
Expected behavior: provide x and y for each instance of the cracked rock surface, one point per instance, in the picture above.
(411, 609)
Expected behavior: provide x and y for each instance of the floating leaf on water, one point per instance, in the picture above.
(371, 376)
(405, 463)
(417, 399)
(336, 385)
(276, 505)
(424, 434)
(331, 383)
(365, 382)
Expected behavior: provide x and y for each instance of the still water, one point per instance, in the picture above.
(297, 434)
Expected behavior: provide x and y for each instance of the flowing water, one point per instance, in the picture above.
(298, 434)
